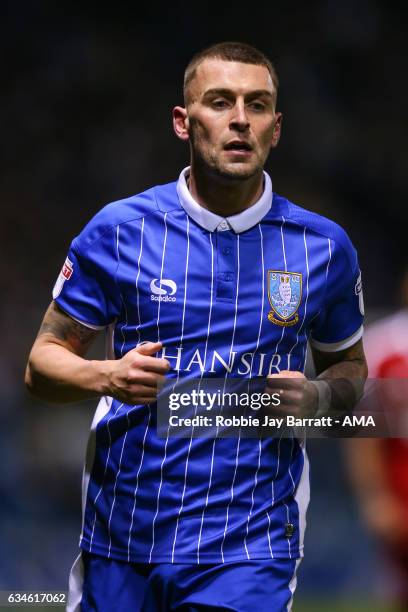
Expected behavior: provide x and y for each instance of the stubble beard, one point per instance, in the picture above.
(233, 171)
(211, 161)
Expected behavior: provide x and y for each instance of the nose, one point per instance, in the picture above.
(239, 120)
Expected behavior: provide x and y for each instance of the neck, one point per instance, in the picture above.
(224, 196)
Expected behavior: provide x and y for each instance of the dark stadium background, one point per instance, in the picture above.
(85, 119)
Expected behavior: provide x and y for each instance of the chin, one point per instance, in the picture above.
(238, 171)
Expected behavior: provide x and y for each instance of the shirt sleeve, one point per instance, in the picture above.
(86, 286)
(340, 321)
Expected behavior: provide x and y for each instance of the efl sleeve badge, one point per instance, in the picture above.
(64, 275)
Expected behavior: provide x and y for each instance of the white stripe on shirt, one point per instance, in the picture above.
(286, 269)
(307, 296)
(250, 376)
(239, 433)
(104, 474)
(137, 281)
(181, 343)
(192, 431)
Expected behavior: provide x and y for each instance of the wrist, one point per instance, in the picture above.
(324, 397)
(101, 377)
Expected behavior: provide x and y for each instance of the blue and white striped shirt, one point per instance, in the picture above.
(234, 297)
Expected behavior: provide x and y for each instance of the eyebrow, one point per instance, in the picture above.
(219, 91)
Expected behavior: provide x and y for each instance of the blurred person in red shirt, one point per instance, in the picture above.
(379, 466)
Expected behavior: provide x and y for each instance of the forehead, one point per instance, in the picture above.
(241, 78)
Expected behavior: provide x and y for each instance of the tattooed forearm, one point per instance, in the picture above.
(350, 363)
(64, 328)
(344, 374)
(57, 370)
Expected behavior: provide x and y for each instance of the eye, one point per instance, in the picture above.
(257, 106)
(219, 103)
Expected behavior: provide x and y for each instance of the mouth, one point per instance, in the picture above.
(238, 146)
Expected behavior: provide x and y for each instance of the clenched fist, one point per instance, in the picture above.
(298, 396)
(134, 379)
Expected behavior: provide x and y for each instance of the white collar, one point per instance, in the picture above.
(210, 221)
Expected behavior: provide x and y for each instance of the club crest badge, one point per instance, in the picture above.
(285, 294)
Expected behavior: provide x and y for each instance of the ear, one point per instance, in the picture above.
(276, 130)
(180, 123)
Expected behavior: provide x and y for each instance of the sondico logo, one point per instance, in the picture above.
(163, 295)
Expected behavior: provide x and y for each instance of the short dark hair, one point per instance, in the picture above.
(230, 52)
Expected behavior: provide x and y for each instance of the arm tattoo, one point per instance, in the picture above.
(349, 363)
(63, 327)
(345, 373)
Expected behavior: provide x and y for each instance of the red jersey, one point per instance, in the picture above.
(386, 348)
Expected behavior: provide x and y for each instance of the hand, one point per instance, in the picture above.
(298, 396)
(134, 378)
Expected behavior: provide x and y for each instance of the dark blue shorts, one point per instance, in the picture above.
(106, 585)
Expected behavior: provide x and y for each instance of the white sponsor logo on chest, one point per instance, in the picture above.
(163, 290)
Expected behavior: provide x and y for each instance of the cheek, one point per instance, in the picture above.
(209, 123)
(205, 134)
(266, 135)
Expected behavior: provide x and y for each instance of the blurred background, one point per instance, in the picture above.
(86, 99)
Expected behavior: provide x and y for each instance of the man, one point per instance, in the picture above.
(210, 276)
(379, 466)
